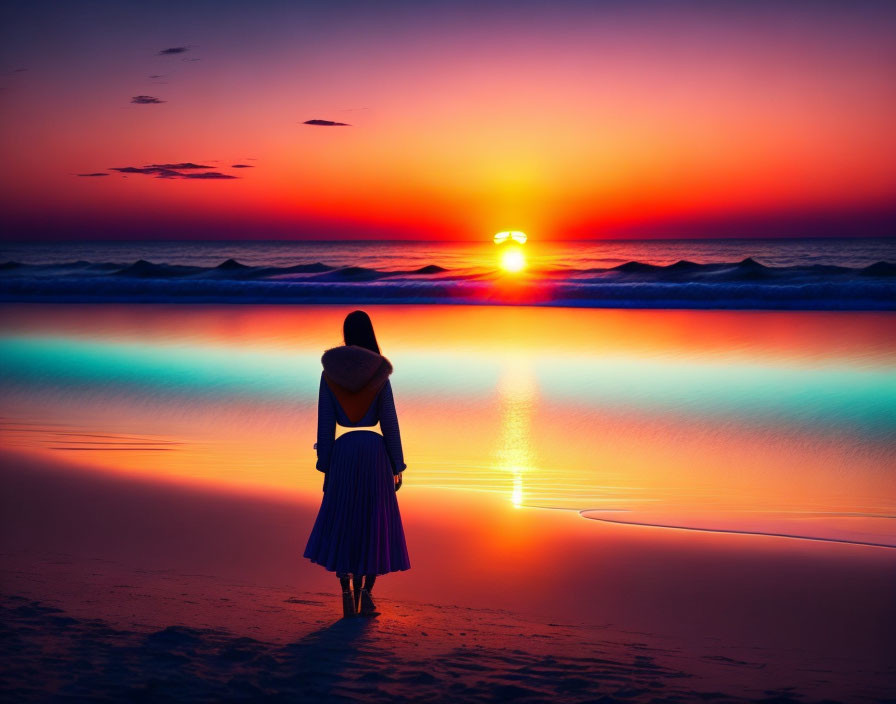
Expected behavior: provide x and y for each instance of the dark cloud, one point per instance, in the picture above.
(173, 50)
(97, 173)
(157, 76)
(146, 100)
(214, 175)
(242, 166)
(180, 167)
(158, 171)
(166, 171)
(326, 123)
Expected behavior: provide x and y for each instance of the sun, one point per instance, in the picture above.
(511, 250)
(513, 260)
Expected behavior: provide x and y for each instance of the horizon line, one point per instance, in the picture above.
(484, 240)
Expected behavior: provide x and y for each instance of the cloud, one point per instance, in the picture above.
(166, 171)
(173, 50)
(146, 100)
(209, 175)
(159, 171)
(156, 76)
(326, 123)
(97, 173)
(180, 167)
(242, 166)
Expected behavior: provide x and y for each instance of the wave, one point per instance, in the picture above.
(871, 530)
(746, 284)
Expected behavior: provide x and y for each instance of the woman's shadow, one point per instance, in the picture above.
(324, 660)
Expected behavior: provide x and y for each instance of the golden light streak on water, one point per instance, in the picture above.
(606, 410)
(517, 391)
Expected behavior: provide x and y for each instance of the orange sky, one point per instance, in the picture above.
(563, 120)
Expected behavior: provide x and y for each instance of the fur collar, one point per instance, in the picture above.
(355, 375)
(354, 368)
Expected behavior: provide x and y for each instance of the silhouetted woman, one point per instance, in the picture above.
(358, 531)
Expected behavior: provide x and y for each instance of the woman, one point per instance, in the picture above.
(358, 531)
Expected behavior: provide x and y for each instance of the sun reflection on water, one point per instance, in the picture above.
(554, 408)
(517, 391)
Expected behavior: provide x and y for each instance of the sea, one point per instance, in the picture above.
(794, 274)
(736, 386)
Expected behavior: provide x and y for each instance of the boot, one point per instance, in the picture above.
(368, 608)
(357, 600)
(348, 604)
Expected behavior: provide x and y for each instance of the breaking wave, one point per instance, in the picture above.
(746, 284)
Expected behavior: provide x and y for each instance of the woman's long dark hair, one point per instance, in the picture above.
(358, 330)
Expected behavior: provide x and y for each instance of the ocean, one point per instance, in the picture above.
(548, 393)
(795, 274)
(769, 422)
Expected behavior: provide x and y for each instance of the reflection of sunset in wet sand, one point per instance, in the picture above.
(517, 397)
(748, 420)
(707, 466)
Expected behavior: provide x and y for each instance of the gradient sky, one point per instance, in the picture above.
(565, 120)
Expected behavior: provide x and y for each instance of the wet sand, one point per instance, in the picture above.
(120, 588)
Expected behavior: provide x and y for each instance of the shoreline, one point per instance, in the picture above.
(214, 583)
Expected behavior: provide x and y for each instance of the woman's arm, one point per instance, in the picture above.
(389, 425)
(326, 426)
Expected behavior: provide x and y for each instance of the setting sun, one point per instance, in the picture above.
(513, 260)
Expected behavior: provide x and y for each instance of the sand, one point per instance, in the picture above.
(116, 589)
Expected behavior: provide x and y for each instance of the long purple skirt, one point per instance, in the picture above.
(358, 527)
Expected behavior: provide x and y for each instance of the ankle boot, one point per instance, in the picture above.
(348, 604)
(368, 608)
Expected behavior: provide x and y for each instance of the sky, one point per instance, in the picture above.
(562, 119)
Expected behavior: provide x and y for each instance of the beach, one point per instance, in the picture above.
(614, 281)
(155, 591)
(645, 505)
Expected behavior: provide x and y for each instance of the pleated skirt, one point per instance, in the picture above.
(358, 528)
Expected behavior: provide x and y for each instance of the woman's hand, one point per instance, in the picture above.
(397, 480)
